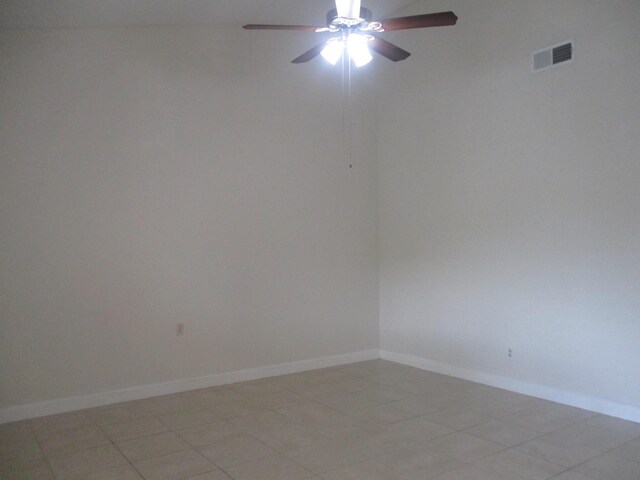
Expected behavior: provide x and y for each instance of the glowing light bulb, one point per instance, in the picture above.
(358, 49)
(332, 52)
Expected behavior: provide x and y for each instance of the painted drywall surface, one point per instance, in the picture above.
(153, 176)
(509, 202)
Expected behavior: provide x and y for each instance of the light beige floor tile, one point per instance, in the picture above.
(408, 386)
(330, 375)
(255, 388)
(572, 475)
(269, 468)
(458, 418)
(419, 429)
(630, 451)
(512, 464)
(599, 438)
(175, 466)
(22, 446)
(464, 447)
(345, 402)
(485, 392)
(215, 475)
(522, 400)
(421, 405)
(203, 435)
(137, 428)
(503, 433)
(261, 421)
(62, 421)
(385, 442)
(125, 472)
(230, 451)
(211, 397)
(317, 415)
(78, 465)
(312, 391)
(168, 404)
(356, 384)
(566, 411)
(361, 414)
(540, 421)
(617, 424)
(15, 429)
(71, 440)
(238, 408)
(418, 461)
(287, 438)
(151, 446)
(610, 467)
(25, 469)
(188, 418)
(382, 394)
(491, 407)
(379, 415)
(120, 413)
(555, 451)
(367, 470)
(330, 456)
(306, 388)
(277, 399)
(468, 472)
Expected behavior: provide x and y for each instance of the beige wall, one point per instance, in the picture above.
(161, 175)
(510, 202)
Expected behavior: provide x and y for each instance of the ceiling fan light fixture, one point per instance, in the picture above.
(333, 51)
(348, 8)
(358, 48)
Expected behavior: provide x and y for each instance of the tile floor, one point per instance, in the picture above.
(373, 420)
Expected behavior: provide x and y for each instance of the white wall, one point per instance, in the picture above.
(160, 175)
(510, 202)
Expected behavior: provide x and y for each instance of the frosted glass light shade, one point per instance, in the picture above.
(333, 51)
(358, 49)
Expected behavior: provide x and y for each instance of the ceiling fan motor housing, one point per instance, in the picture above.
(365, 14)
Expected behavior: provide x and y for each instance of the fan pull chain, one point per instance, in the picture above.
(346, 110)
(349, 115)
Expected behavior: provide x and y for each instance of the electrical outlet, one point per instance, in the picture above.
(180, 329)
(510, 353)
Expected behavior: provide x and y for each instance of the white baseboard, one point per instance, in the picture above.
(50, 407)
(32, 410)
(586, 402)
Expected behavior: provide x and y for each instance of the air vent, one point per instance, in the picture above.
(552, 56)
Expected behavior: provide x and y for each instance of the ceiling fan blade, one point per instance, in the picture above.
(388, 49)
(310, 54)
(420, 21)
(348, 8)
(280, 27)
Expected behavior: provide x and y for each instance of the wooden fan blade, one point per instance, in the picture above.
(388, 49)
(280, 27)
(420, 21)
(310, 54)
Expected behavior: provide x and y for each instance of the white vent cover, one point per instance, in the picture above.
(552, 56)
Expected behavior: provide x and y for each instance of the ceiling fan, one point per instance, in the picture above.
(356, 34)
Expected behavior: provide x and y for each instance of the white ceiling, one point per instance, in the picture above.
(109, 13)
